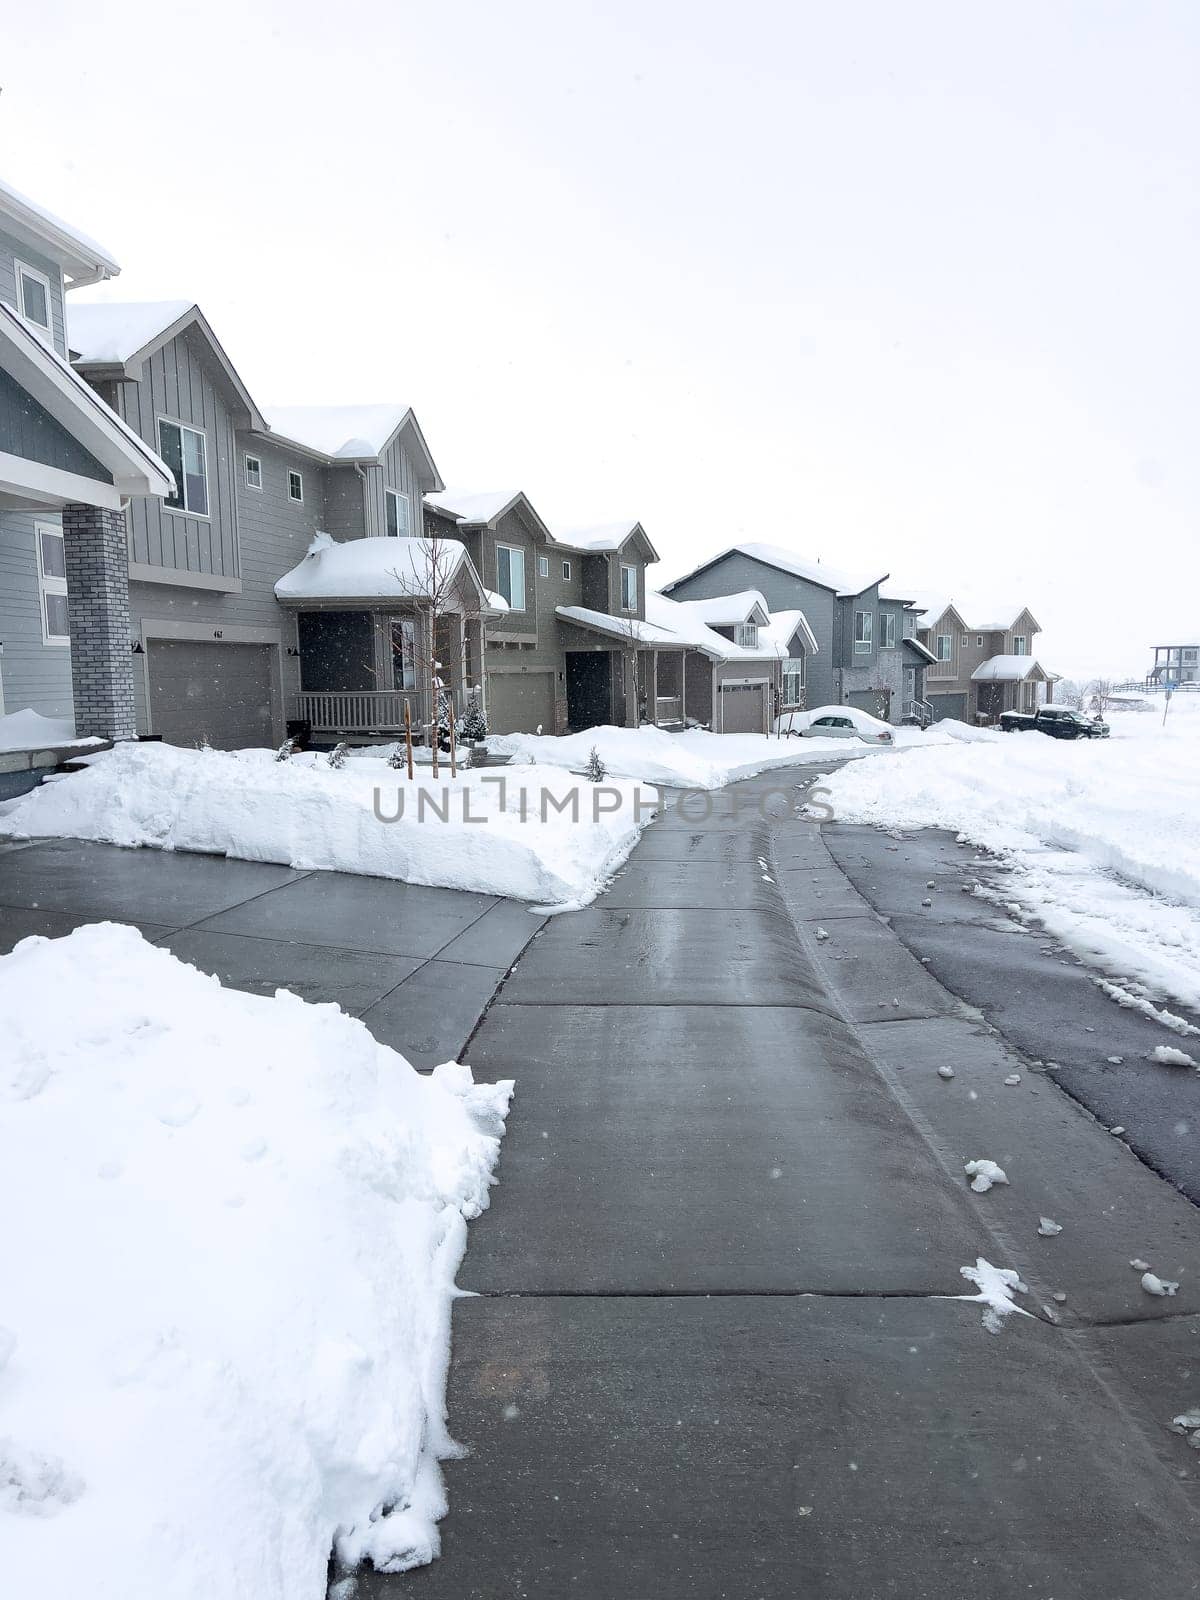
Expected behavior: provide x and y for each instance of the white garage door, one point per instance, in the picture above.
(743, 708)
(215, 692)
(520, 702)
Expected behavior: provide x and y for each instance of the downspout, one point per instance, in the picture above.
(366, 483)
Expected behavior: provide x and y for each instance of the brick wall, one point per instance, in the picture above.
(97, 556)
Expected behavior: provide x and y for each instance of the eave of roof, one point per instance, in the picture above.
(80, 257)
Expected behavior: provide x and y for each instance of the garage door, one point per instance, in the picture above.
(520, 702)
(218, 692)
(949, 705)
(875, 702)
(743, 708)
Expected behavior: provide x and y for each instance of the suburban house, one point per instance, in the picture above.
(69, 465)
(867, 652)
(1174, 663)
(981, 668)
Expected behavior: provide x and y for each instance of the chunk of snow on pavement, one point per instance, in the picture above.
(1048, 1228)
(1153, 1284)
(1139, 1265)
(201, 1395)
(996, 1287)
(945, 1072)
(1170, 1057)
(497, 832)
(984, 1174)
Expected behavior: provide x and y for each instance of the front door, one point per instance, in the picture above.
(589, 689)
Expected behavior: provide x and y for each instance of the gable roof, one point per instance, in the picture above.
(484, 509)
(783, 628)
(844, 584)
(727, 610)
(353, 433)
(82, 260)
(121, 336)
(605, 538)
(43, 374)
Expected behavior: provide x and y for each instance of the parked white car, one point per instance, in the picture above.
(836, 722)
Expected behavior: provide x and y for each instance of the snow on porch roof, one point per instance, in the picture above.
(632, 630)
(1008, 669)
(371, 570)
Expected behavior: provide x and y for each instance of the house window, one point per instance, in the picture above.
(52, 580)
(404, 653)
(253, 473)
(965, 640)
(543, 566)
(979, 641)
(1020, 645)
(566, 572)
(296, 486)
(1189, 655)
(628, 588)
(510, 575)
(746, 635)
(864, 631)
(945, 646)
(887, 630)
(33, 293)
(793, 681)
(184, 451)
(398, 526)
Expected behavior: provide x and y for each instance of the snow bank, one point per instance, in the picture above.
(500, 833)
(694, 759)
(228, 1294)
(1102, 836)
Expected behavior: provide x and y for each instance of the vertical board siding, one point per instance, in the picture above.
(12, 251)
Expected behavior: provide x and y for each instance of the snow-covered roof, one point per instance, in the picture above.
(903, 593)
(104, 333)
(604, 536)
(371, 569)
(1007, 669)
(468, 506)
(81, 258)
(922, 652)
(629, 629)
(843, 584)
(727, 610)
(782, 629)
(342, 433)
(968, 608)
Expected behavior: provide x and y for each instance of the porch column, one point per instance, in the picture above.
(97, 557)
(652, 688)
(683, 688)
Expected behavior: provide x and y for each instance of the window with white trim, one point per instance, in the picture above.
(793, 681)
(510, 575)
(185, 451)
(253, 473)
(566, 572)
(945, 647)
(864, 632)
(52, 582)
(296, 486)
(979, 641)
(887, 630)
(33, 297)
(399, 524)
(1020, 645)
(628, 588)
(543, 566)
(745, 634)
(965, 640)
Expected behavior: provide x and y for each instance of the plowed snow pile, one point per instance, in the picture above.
(231, 1231)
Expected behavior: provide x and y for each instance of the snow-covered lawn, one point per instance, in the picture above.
(534, 833)
(1103, 836)
(695, 759)
(231, 1231)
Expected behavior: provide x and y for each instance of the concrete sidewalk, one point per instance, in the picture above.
(711, 1354)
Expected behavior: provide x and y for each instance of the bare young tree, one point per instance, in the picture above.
(1099, 693)
(428, 571)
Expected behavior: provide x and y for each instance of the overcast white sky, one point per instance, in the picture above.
(903, 286)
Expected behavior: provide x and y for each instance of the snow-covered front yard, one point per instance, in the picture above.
(231, 1231)
(530, 832)
(1103, 837)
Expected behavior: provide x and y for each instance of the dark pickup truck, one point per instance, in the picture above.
(1060, 722)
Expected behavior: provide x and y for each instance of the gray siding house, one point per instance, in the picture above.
(867, 652)
(981, 668)
(69, 467)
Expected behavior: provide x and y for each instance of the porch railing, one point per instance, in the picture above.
(362, 711)
(918, 711)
